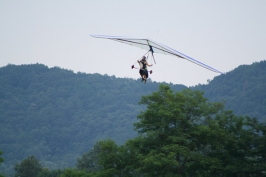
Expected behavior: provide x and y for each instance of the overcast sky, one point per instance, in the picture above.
(220, 33)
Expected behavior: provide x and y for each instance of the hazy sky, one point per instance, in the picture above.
(220, 33)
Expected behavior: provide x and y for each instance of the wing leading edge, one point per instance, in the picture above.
(148, 44)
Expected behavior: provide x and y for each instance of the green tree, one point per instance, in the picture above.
(47, 173)
(114, 159)
(168, 126)
(29, 167)
(182, 134)
(74, 173)
(90, 161)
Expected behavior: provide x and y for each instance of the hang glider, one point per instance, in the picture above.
(154, 47)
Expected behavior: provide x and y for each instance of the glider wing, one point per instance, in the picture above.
(154, 47)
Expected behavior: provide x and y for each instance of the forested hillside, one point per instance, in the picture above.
(57, 115)
(180, 134)
(243, 90)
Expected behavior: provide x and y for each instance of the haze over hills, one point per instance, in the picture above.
(57, 115)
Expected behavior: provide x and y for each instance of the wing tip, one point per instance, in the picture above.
(94, 35)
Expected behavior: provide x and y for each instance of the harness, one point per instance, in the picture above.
(144, 66)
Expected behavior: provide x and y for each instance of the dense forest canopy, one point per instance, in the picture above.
(243, 89)
(58, 115)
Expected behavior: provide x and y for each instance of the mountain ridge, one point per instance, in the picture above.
(56, 114)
